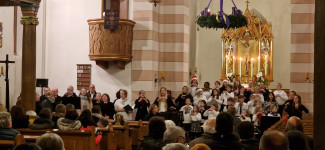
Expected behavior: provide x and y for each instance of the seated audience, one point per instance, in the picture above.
(142, 104)
(44, 121)
(102, 123)
(200, 147)
(27, 146)
(297, 140)
(60, 110)
(69, 122)
(119, 120)
(96, 113)
(174, 135)
(86, 119)
(274, 140)
(225, 139)
(153, 111)
(169, 123)
(246, 134)
(175, 146)
(19, 119)
(69, 107)
(154, 141)
(6, 132)
(50, 141)
(294, 123)
(209, 128)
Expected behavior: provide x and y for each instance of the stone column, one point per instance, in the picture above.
(319, 88)
(28, 85)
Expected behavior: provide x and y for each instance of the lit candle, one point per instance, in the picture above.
(226, 64)
(259, 63)
(163, 74)
(208, 12)
(240, 66)
(233, 64)
(252, 60)
(1, 69)
(265, 65)
(307, 76)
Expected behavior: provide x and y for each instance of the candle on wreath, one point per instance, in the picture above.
(208, 12)
(252, 61)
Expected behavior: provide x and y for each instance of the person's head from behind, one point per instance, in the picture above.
(274, 140)
(17, 112)
(71, 114)
(69, 107)
(5, 120)
(224, 123)
(297, 140)
(174, 135)
(3, 108)
(60, 108)
(45, 113)
(102, 123)
(96, 109)
(209, 126)
(246, 130)
(175, 146)
(200, 147)
(169, 123)
(50, 141)
(27, 146)
(294, 123)
(86, 118)
(232, 110)
(157, 127)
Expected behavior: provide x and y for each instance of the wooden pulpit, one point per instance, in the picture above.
(107, 45)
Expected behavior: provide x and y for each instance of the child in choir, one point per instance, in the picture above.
(213, 112)
(257, 116)
(274, 112)
(240, 105)
(237, 87)
(198, 97)
(230, 102)
(196, 120)
(245, 116)
(207, 90)
(187, 110)
(257, 92)
(214, 97)
(251, 104)
(270, 102)
(225, 95)
(194, 86)
(203, 109)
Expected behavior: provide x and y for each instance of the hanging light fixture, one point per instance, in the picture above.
(155, 2)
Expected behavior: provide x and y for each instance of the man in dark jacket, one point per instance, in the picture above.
(224, 138)
(209, 128)
(246, 134)
(6, 132)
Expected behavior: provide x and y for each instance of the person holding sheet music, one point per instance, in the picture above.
(123, 106)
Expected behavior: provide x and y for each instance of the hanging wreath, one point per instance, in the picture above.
(235, 20)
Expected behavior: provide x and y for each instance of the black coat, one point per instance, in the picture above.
(181, 99)
(250, 144)
(88, 93)
(7, 134)
(42, 123)
(206, 139)
(20, 123)
(142, 108)
(107, 109)
(226, 142)
(46, 103)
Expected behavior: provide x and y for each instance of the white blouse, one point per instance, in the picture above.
(197, 117)
(197, 99)
(283, 96)
(120, 104)
(187, 110)
(211, 114)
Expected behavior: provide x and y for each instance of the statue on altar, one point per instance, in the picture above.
(247, 52)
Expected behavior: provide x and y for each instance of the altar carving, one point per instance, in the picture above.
(247, 52)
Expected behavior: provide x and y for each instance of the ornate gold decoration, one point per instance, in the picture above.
(248, 50)
(30, 21)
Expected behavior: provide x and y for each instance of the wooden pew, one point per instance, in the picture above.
(116, 137)
(73, 140)
(308, 127)
(12, 143)
(138, 129)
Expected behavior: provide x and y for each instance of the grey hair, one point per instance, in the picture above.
(209, 126)
(175, 146)
(69, 87)
(172, 134)
(50, 141)
(169, 123)
(5, 119)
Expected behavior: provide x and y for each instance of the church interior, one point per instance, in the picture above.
(150, 45)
